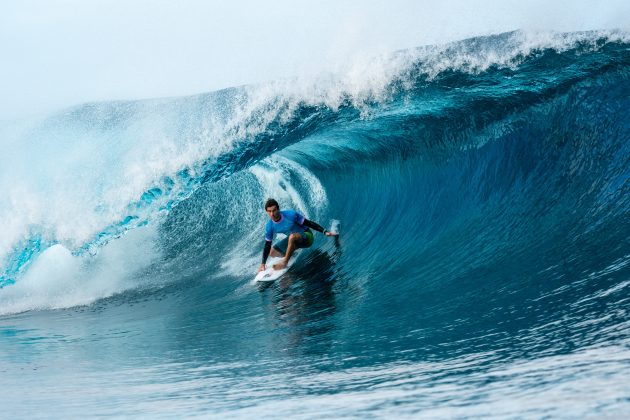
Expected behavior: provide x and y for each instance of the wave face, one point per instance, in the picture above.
(483, 189)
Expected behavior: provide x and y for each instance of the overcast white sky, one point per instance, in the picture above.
(56, 53)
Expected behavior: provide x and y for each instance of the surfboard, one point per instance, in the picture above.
(270, 274)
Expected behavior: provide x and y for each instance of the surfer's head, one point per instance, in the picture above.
(273, 209)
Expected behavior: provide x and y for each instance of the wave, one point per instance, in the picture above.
(443, 162)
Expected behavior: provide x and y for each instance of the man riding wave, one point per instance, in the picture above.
(295, 226)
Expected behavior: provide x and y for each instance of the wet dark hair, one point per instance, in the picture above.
(270, 203)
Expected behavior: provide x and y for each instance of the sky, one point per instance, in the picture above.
(58, 53)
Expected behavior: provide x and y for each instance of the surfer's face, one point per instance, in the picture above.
(273, 212)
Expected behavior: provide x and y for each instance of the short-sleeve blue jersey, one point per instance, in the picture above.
(290, 222)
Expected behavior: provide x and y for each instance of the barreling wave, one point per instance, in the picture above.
(451, 161)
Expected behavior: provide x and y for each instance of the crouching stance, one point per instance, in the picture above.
(295, 226)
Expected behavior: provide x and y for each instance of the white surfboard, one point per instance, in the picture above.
(270, 274)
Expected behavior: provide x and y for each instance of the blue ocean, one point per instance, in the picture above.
(482, 268)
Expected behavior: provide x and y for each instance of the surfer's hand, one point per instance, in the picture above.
(261, 268)
(328, 233)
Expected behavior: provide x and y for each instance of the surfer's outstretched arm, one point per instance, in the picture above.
(315, 226)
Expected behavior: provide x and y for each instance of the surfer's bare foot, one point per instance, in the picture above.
(280, 265)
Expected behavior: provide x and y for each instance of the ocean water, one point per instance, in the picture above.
(483, 267)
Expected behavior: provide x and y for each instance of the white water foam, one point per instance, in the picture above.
(57, 279)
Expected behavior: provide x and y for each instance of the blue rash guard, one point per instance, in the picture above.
(290, 222)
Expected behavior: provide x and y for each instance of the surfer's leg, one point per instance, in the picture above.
(279, 248)
(294, 241)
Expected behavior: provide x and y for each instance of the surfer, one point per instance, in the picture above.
(295, 226)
